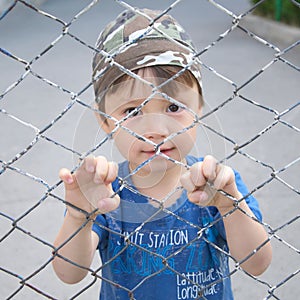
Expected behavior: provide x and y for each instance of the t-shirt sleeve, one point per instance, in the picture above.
(99, 228)
(250, 200)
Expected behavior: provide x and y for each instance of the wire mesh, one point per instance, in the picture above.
(47, 108)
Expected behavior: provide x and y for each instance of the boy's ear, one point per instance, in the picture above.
(199, 110)
(102, 121)
(199, 113)
(200, 106)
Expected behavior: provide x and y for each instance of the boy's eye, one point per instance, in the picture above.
(173, 108)
(130, 109)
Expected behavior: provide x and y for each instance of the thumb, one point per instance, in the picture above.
(69, 179)
(106, 205)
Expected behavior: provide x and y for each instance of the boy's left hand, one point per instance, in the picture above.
(219, 176)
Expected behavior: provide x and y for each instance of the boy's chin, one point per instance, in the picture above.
(157, 165)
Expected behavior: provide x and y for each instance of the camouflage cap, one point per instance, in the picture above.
(143, 46)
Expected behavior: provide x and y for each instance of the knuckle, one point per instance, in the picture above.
(196, 171)
(187, 182)
(209, 159)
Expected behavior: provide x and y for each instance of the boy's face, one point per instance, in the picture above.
(156, 121)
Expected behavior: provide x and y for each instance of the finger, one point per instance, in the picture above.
(225, 176)
(89, 164)
(199, 197)
(101, 169)
(108, 204)
(209, 168)
(66, 176)
(112, 172)
(199, 180)
(187, 182)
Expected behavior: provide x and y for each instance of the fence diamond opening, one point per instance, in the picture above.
(251, 122)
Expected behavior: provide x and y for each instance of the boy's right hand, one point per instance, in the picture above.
(90, 186)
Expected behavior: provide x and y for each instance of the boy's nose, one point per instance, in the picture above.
(155, 127)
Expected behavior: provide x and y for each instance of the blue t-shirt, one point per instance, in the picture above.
(179, 253)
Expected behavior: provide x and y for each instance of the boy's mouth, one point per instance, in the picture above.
(166, 151)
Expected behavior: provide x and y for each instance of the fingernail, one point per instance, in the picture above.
(97, 180)
(69, 180)
(203, 197)
(102, 206)
(90, 169)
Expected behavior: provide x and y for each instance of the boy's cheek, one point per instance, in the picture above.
(107, 125)
(185, 142)
(125, 142)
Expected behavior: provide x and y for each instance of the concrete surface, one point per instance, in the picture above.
(26, 251)
(272, 31)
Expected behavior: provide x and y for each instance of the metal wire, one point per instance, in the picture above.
(50, 190)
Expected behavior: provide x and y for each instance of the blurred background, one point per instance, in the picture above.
(250, 71)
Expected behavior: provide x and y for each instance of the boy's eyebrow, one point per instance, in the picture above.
(130, 102)
(134, 101)
(183, 98)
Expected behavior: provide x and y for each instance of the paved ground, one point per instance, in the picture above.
(237, 57)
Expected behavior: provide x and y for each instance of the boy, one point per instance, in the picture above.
(159, 226)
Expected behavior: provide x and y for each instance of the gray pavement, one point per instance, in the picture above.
(33, 104)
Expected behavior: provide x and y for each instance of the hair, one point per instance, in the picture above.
(163, 73)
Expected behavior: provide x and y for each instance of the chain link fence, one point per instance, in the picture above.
(251, 121)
